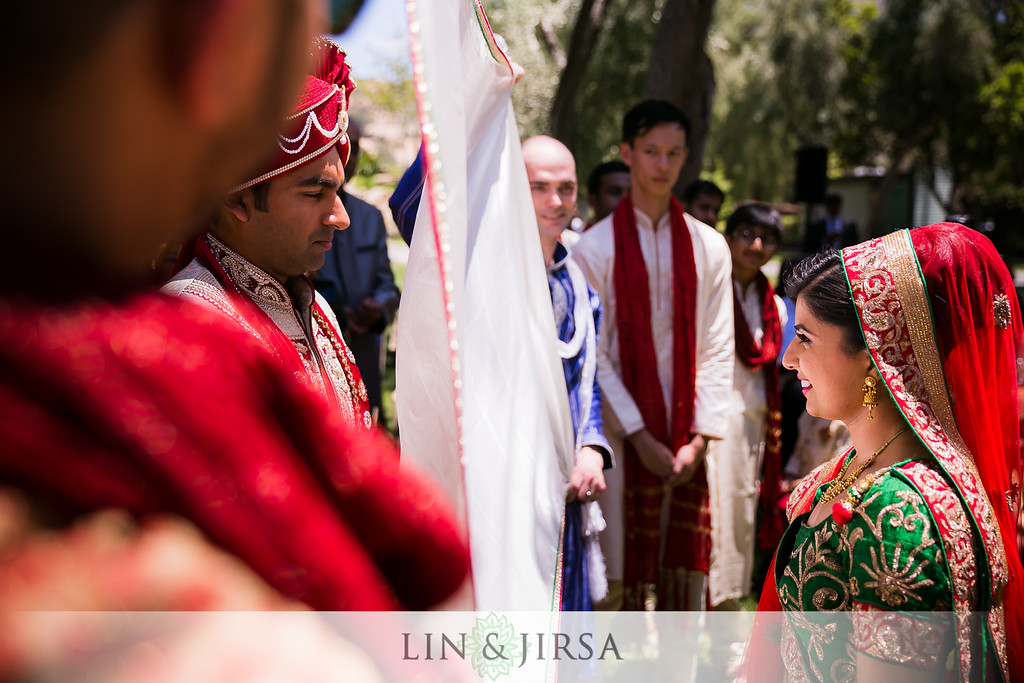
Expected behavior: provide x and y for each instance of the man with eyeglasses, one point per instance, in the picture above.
(753, 430)
(753, 232)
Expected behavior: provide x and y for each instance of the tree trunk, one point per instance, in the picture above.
(681, 72)
(585, 33)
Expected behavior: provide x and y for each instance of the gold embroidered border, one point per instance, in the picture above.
(792, 655)
(892, 261)
(914, 299)
(905, 639)
(955, 532)
(805, 489)
(899, 252)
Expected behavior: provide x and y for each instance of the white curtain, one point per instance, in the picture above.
(505, 464)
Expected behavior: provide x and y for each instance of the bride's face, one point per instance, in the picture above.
(831, 377)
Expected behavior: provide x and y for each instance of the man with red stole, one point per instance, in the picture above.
(753, 440)
(665, 366)
(745, 512)
(134, 120)
(278, 226)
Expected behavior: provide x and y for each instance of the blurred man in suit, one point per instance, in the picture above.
(831, 231)
(357, 281)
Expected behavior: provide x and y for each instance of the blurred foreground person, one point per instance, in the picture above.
(140, 116)
(273, 229)
(899, 559)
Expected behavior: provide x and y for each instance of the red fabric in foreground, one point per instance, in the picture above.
(158, 405)
(688, 545)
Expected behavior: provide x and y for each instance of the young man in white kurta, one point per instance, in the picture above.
(714, 344)
(734, 465)
(595, 254)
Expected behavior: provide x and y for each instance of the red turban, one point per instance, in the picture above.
(319, 120)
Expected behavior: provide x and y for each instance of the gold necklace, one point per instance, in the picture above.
(842, 510)
(845, 481)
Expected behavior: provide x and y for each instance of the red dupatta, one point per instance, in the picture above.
(688, 542)
(949, 363)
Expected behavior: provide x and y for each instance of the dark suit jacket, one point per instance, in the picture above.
(357, 268)
(817, 236)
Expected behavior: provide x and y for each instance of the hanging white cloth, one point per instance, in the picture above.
(481, 399)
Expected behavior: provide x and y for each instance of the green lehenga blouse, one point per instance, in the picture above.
(879, 585)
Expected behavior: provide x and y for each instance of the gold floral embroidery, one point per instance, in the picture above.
(894, 579)
(821, 629)
(836, 569)
(899, 637)
(895, 584)
(1001, 311)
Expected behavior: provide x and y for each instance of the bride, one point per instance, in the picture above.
(900, 559)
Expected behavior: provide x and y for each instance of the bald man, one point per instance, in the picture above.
(552, 173)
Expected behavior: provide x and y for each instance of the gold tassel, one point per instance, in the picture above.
(870, 395)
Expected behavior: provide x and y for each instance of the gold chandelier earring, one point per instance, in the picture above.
(870, 395)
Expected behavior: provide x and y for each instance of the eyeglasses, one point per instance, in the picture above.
(769, 240)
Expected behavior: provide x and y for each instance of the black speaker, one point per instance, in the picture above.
(811, 174)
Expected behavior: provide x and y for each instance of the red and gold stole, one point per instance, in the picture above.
(764, 358)
(688, 542)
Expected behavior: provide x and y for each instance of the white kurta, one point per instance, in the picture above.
(715, 346)
(734, 463)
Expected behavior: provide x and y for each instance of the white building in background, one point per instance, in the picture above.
(913, 200)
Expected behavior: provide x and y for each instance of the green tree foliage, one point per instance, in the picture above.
(615, 70)
(927, 83)
(993, 151)
(780, 67)
(894, 84)
(519, 22)
(924, 67)
(614, 82)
